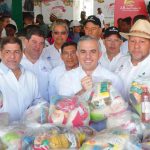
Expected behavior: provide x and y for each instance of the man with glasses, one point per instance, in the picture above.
(33, 61)
(112, 42)
(69, 57)
(60, 34)
(92, 27)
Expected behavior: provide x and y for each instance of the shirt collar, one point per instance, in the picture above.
(5, 69)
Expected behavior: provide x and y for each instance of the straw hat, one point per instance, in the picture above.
(141, 28)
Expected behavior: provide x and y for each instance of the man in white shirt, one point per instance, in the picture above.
(101, 17)
(92, 27)
(69, 57)
(18, 86)
(136, 64)
(79, 80)
(33, 61)
(112, 42)
(60, 34)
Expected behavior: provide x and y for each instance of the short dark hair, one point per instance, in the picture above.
(128, 20)
(137, 17)
(35, 31)
(71, 43)
(11, 40)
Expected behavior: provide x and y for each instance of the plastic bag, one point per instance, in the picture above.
(114, 139)
(104, 101)
(37, 113)
(55, 137)
(70, 112)
(136, 93)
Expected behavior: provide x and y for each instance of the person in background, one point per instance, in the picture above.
(101, 17)
(126, 25)
(76, 31)
(41, 24)
(18, 86)
(33, 61)
(10, 30)
(136, 63)
(69, 57)
(83, 17)
(52, 53)
(28, 19)
(112, 42)
(92, 27)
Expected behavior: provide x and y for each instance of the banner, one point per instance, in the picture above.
(126, 8)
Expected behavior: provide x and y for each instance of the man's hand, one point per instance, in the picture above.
(86, 83)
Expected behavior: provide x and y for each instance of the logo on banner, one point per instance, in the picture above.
(129, 2)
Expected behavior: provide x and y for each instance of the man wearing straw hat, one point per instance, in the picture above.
(136, 64)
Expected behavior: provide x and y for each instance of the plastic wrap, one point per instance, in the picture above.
(37, 113)
(114, 139)
(69, 111)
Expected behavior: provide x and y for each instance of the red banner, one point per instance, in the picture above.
(126, 8)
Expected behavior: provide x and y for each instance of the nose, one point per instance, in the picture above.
(12, 55)
(137, 44)
(88, 55)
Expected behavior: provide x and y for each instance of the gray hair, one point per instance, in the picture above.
(60, 23)
(88, 38)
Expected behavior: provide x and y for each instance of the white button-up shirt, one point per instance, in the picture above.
(18, 95)
(102, 46)
(52, 55)
(70, 82)
(41, 68)
(110, 65)
(54, 78)
(129, 73)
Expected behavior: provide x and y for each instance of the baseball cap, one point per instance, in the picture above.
(94, 20)
(110, 31)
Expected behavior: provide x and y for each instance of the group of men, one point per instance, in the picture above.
(34, 74)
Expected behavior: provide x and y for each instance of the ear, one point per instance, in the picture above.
(0, 53)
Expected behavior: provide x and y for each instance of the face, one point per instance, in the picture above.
(6, 22)
(125, 27)
(112, 44)
(139, 48)
(88, 55)
(59, 34)
(11, 55)
(77, 29)
(92, 30)
(34, 46)
(10, 31)
(69, 57)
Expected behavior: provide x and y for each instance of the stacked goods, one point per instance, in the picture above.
(56, 138)
(69, 112)
(114, 139)
(140, 98)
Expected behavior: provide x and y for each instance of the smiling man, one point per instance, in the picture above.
(136, 65)
(79, 80)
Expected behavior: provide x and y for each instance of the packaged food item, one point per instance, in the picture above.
(37, 113)
(136, 91)
(112, 139)
(69, 112)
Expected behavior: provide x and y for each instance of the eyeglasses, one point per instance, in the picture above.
(60, 33)
(71, 54)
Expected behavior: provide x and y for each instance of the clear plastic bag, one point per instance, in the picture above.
(69, 111)
(37, 113)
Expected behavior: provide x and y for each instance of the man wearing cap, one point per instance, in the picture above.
(112, 42)
(136, 65)
(92, 27)
(76, 31)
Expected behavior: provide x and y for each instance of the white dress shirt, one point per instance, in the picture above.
(52, 55)
(54, 78)
(110, 65)
(129, 73)
(19, 94)
(70, 82)
(103, 48)
(41, 68)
